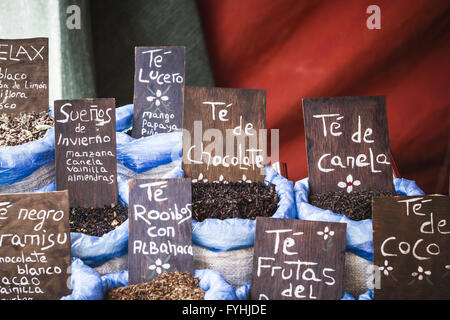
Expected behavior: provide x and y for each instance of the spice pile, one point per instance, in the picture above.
(233, 200)
(355, 205)
(23, 128)
(167, 286)
(97, 221)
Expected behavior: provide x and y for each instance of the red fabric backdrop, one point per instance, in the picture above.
(296, 49)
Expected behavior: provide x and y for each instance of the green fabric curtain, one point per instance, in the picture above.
(97, 59)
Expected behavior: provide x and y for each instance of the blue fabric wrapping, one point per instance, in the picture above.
(85, 281)
(231, 234)
(243, 293)
(94, 251)
(216, 287)
(359, 233)
(87, 284)
(122, 188)
(348, 296)
(124, 117)
(18, 162)
(368, 295)
(114, 280)
(146, 153)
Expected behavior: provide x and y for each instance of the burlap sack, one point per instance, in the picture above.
(113, 265)
(357, 275)
(235, 265)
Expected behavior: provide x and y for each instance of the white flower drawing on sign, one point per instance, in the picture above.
(386, 268)
(244, 179)
(159, 97)
(199, 179)
(445, 275)
(325, 233)
(158, 266)
(221, 179)
(420, 273)
(349, 184)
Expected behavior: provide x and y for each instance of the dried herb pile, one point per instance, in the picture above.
(97, 221)
(355, 205)
(167, 286)
(233, 200)
(23, 128)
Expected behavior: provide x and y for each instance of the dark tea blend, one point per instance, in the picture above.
(97, 221)
(24, 127)
(167, 286)
(233, 200)
(355, 205)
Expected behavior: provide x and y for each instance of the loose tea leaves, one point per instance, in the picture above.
(97, 221)
(23, 128)
(167, 286)
(355, 205)
(233, 200)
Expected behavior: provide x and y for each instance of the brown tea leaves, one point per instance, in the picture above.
(355, 205)
(97, 221)
(233, 200)
(167, 286)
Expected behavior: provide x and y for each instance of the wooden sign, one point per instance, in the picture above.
(158, 90)
(347, 144)
(85, 151)
(34, 246)
(224, 136)
(24, 75)
(298, 260)
(160, 228)
(411, 238)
